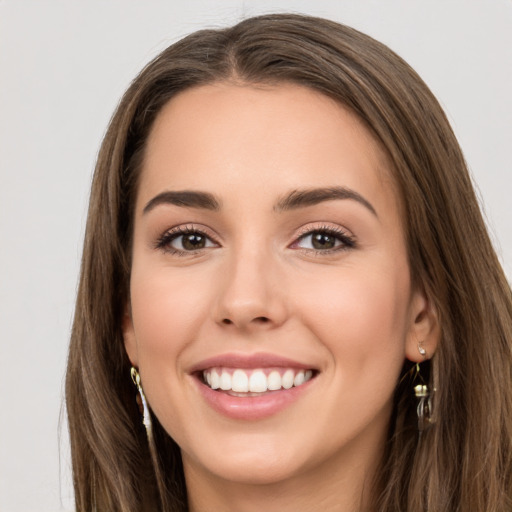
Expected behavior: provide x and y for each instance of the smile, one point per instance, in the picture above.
(252, 387)
(253, 382)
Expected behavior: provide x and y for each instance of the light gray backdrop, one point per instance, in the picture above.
(63, 67)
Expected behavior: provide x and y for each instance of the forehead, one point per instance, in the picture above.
(224, 136)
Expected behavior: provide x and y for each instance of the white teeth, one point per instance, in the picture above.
(254, 381)
(258, 382)
(225, 381)
(274, 381)
(215, 380)
(299, 379)
(240, 381)
(287, 379)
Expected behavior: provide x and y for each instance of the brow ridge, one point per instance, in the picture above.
(184, 198)
(313, 196)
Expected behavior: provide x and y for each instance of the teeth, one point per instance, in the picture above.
(254, 381)
(274, 381)
(258, 382)
(215, 380)
(287, 379)
(240, 381)
(225, 381)
(298, 379)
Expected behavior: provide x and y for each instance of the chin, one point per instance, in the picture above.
(255, 465)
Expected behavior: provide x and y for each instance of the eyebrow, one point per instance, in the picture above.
(184, 198)
(291, 201)
(313, 196)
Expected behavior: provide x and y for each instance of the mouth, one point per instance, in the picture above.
(244, 382)
(252, 387)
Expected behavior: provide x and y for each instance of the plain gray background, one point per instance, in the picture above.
(63, 67)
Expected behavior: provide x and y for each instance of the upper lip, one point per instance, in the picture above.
(249, 361)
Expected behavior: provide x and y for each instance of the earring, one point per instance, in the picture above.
(424, 408)
(146, 417)
(421, 349)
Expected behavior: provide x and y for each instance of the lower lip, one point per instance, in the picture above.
(251, 408)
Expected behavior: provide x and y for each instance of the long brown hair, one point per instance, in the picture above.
(464, 460)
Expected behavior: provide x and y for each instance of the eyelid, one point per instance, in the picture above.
(347, 239)
(170, 234)
(322, 226)
(344, 235)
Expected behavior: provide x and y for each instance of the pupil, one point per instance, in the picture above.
(193, 241)
(323, 241)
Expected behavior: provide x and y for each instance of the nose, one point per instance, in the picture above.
(251, 292)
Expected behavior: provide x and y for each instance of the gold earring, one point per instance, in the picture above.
(146, 417)
(424, 407)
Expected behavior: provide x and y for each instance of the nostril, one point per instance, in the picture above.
(258, 320)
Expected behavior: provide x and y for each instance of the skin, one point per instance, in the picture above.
(260, 286)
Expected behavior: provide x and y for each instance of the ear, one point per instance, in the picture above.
(130, 342)
(424, 329)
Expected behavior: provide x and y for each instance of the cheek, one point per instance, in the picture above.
(166, 309)
(359, 314)
(361, 319)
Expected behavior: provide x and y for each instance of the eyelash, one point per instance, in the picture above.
(347, 241)
(164, 241)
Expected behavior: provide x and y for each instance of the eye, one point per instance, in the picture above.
(190, 242)
(325, 240)
(183, 240)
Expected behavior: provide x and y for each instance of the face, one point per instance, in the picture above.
(271, 306)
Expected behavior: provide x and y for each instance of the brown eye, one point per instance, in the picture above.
(188, 241)
(324, 240)
(193, 241)
(321, 241)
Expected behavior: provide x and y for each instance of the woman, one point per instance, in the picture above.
(285, 252)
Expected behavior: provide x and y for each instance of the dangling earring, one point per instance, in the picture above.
(146, 417)
(422, 393)
(424, 408)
